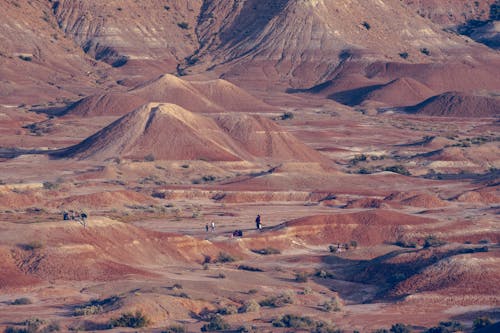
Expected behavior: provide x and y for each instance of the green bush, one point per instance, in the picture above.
(130, 320)
(216, 323)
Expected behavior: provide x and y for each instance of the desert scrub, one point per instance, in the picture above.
(332, 305)
(174, 329)
(249, 306)
(267, 251)
(88, 310)
(216, 323)
(249, 268)
(433, 241)
(225, 257)
(31, 246)
(228, 310)
(129, 319)
(278, 301)
(301, 277)
(21, 301)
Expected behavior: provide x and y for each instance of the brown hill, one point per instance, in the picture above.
(455, 104)
(169, 132)
(198, 96)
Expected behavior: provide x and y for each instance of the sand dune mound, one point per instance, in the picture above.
(462, 274)
(104, 250)
(484, 196)
(164, 131)
(263, 138)
(169, 132)
(456, 104)
(367, 227)
(108, 104)
(198, 96)
(400, 92)
(401, 195)
(424, 200)
(366, 203)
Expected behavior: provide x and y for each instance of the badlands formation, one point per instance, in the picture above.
(364, 133)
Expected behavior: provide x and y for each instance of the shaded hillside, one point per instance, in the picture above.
(198, 96)
(454, 104)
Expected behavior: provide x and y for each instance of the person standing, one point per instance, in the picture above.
(258, 224)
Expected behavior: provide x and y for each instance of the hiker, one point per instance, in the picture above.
(65, 216)
(206, 227)
(213, 226)
(258, 225)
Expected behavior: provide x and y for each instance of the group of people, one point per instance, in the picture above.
(238, 232)
(73, 215)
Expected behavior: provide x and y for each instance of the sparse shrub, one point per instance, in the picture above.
(88, 310)
(206, 267)
(129, 319)
(353, 244)
(33, 324)
(363, 171)
(400, 328)
(425, 51)
(12, 329)
(149, 158)
(228, 310)
(324, 274)
(250, 306)
(381, 330)
(50, 186)
(225, 257)
(249, 268)
(252, 292)
(175, 329)
(208, 178)
(358, 158)
(21, 301)
(166, 7)
(293, 321)
(484, 241)
(183, 25)
(403, 55)
(481, 322)
(398, 169)
(267, 251)
(332, 248)
(25, 58)
(405, 243)
(432, 241)
(185, 166)
(177, 286)
(216, 323)
(183, 295)
(287, 115)
(221, 276)
(332, 305)
(301, 277)
(446, 327)
(278, 301)
(32, 246)
(307, 291)
(366, 25)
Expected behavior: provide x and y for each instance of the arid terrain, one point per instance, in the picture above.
(364, 133)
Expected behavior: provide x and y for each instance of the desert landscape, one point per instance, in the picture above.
(140, 140)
